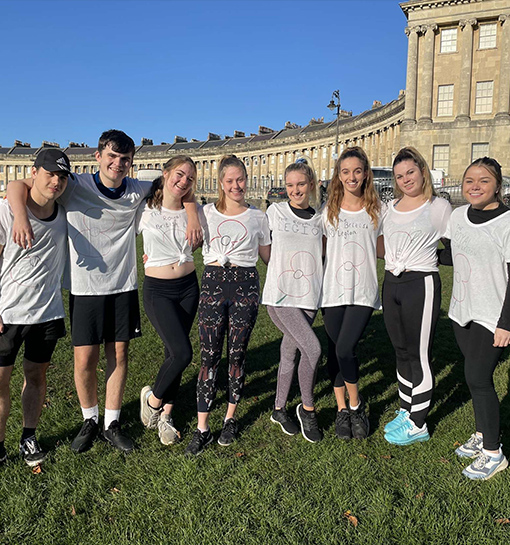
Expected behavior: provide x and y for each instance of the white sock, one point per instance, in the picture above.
(92, 412)
(492, 455)
(110, 415)
(202, 430)
(354, 408)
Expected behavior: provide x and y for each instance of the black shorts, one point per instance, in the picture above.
(40, 341)
(96, 319)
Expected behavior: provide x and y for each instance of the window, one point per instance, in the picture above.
(19, 170)
(331, 172)
(214, 164)
(1, 168)
(281, 157)
(315, 153)
(483, 97)
(256, 161)
(247, 161)
(280, 179)
(158, 166)
(199, 166)
(94, 169)
(11, 170)
(135, 168)
(85, 169)
(28, 171)
(207, 166)
(441, 158)
(448, 40)
(254, 182)
(272, 159)
(214, 183)
(479, 150)
(488, 36)
(263, 159)
(445, 100)
(323, 174)
(324, 153)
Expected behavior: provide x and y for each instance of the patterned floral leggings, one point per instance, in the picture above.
(229, 302)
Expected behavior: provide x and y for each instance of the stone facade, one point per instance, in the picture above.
(456, 107)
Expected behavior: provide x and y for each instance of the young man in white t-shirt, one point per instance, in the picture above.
(31, 309)
(101, 210)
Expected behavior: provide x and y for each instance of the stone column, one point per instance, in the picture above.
(466, 27)
(412, 74)
(504, 69)
(428, 72)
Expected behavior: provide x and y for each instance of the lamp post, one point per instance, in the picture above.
(334, 104)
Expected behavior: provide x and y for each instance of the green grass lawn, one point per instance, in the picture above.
(267, 488)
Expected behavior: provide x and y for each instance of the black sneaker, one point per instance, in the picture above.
(198, 442)
(83, 441)
(360, 425)
(229, 433)
(309, 425)
(343, 424)
(31, 452)
(281, 417)
(114, 436)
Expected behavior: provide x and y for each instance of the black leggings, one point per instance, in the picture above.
(229, 302)
(411, 304)
(171, 306)
(480, 359)
(345, 326)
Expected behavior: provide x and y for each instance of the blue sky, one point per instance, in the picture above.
(160, 68)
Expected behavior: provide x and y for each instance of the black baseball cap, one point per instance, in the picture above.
(53, 160)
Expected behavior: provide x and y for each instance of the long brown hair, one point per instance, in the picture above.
(155, 197)
(494, 168)
(226, 162)
(369, 198)
(412, 154)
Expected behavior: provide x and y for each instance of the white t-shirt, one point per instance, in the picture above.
(480, 255)
(30, 280)
(233, 239)
(294, 272)
(101, 232)
(410, 238)
(350, 267)
(164, 236)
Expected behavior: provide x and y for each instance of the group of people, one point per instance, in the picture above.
(317, 259)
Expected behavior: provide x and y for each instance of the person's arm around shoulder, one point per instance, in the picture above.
(194, 229)
(17, 194)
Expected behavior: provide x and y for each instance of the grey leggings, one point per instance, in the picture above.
(298, 335)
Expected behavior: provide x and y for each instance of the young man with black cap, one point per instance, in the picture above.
(31, 309)
(101, 210)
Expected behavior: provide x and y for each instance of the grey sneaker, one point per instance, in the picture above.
(471, 448)
(168, 435)
(485, 467)
(287, 425)
(31, 452)
(309, 425)
(148, 415)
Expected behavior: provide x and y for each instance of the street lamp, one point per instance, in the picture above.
(335, 105)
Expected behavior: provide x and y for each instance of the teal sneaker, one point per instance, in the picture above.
(485, 467)
(402, 416)
(407, 434)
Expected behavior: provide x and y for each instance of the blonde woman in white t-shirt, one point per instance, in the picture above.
(352, 227)
(413, 225)
(291, 293)
(170, 289)
(235, 234)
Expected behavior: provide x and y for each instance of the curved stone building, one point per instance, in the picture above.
(456, 108)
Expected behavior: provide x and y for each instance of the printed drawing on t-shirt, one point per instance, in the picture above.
(399, 242)
(348, 275)
(93, 241)
(295, 281)
(461, 276)
(230, 234)
(22, 273)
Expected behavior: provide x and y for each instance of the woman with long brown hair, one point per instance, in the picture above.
(352, 226)
(170, 289)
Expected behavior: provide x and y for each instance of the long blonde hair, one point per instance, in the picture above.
(304, 165)
(226, 162)
(412, 154)
(369, 198)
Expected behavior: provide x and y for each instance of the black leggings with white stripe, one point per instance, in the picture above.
(411, 304)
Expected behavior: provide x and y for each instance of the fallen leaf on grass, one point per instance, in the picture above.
(351, 518)
(386, 456)
(37, 469)
(502, 521)
(239, 454)
(363, 456)
(114, 489)
(73, 510)
(443, 460)
(456, 444)
(420, 496)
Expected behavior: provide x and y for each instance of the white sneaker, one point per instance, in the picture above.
(485, 467)
(471, 448)
(168, 435)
